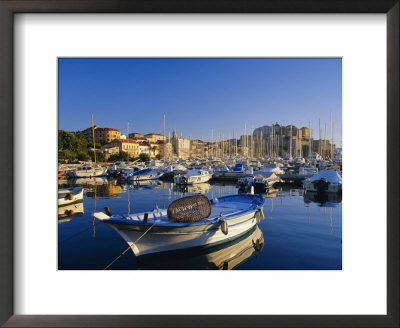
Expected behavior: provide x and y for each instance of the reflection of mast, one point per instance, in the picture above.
(94, 144)
(163, 188)
(129, 200)
(330, 219)
(94, 211)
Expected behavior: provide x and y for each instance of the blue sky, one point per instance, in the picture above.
(198, 95)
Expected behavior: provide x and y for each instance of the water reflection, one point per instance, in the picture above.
(198, 188)
(303, 230)
(323, 199)
(224, 257)
(85, 181)
(70, 210)
(103, 190)
(145, 184)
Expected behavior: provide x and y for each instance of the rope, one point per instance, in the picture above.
(77, 234)
(118, 257)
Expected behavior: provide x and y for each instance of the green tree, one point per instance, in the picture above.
(144, 157)
(121, 156)
(70, 155)
(100, 157)
(71, 141)
(83, 156)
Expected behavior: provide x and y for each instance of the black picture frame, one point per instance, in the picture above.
(10, 7)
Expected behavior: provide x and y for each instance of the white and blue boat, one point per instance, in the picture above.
(326, 181)
(189, 222)
(146, 174)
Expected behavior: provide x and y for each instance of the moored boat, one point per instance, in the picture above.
(68, 196)
(146, 174)
(324, 181)
(189, 222)
(193, 176)
(266, 180)
(88, 171)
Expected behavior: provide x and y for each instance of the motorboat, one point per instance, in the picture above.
(324, 181)
(88, 171)
(234, 174)
(189, 222)
(64, 169)
(146, 174)
(193, 176)
(246, 181)
(271, 169)
(68, 196)
(266, 180)
(299, 160)
(174, 169)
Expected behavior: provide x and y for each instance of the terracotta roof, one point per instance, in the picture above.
(108, 129)
(124, 141)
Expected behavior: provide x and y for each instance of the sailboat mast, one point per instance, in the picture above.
(310, 141)
(127, 137)
(94, 143)
(164, 136)
(331, 137)
(291, 135)
(212, 143)
(245, 140)
(325, 143)
(319, 136)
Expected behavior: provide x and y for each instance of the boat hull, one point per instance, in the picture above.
(152, 176)
(162, 240)
(88, 173)
(69, 196)
(192, 179)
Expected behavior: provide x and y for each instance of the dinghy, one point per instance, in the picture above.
(70, 195)
(188, 223)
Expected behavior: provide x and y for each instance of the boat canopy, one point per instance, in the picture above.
(331, 176)
(238, 167)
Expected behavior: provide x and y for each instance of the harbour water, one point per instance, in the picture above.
(299, 232)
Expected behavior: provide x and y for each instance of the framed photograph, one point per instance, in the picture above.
(192, 140)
